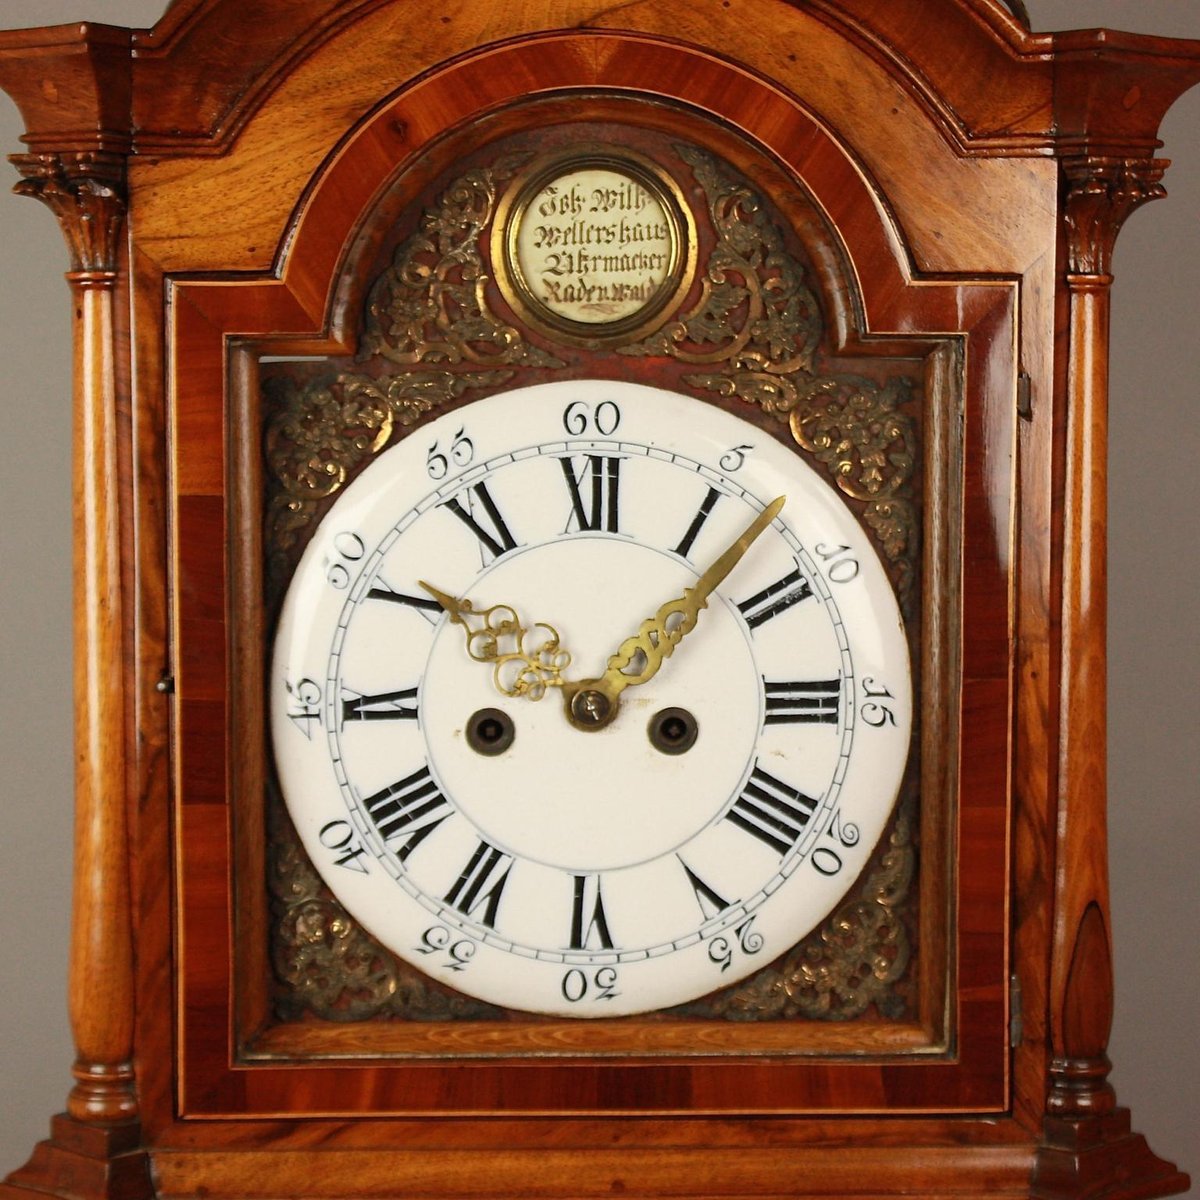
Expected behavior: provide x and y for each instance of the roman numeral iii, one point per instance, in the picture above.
(797, 703)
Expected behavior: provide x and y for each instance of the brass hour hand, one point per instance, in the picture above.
(525, 660)
(592, 703)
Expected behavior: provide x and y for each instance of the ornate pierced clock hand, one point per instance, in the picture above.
(499, 638)
(592, 703)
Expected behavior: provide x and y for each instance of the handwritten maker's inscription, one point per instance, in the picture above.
(596, 245)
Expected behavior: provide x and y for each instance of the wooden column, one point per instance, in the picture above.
(86, 193)
(94, 1150)
(1088, 1149)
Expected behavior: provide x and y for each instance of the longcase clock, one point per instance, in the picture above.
(590, 620)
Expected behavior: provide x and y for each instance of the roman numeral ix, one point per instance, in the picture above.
(387, 706)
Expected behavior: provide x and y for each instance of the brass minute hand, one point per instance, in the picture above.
(495, 635)
(592, 703)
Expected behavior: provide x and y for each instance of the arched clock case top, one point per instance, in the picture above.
(435, 337)
(297, 259)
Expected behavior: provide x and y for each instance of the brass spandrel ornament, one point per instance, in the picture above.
(318, 432)
(431, 305)
(328, 965)
(855, 960)
(757, 325)
(365, 293)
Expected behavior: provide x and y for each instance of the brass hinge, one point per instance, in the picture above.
(1024, 397)
(1015, 1022)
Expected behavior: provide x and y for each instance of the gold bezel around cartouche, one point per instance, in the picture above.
(674, 231)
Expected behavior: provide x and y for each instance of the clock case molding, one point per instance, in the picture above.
(214, 177)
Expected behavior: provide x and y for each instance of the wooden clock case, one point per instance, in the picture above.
(226, 182)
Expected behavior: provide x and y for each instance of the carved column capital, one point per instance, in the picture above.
(1101, 193)
(86, 192)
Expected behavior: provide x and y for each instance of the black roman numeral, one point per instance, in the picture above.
(387, 706)
(589, 925)
(710, 502)
(711, 902)
(796, 703)
(488, 526)
(777, 598)
(481, 884)
(772, 811)
(602, 508)
(408, 812)
(423, 604)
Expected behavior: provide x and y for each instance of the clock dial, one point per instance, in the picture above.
(422, 688)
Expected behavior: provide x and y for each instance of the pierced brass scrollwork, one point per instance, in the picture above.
(318, 432)
(431, 304)
(758, 326)
(329, 965)
(853, 961)
(754, 333)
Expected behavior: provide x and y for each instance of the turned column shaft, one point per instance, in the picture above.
(85, 192)
(1082, 981)
(1101, 192)
(101, 975)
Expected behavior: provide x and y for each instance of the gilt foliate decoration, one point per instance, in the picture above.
(755, 311)
(757, 327)
(853, 961)
(329, 966)
(318, 432)
(431, 304)
(754, 332)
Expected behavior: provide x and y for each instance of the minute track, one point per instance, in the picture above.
(669, 870)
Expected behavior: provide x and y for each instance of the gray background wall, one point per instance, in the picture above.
(1155, 624)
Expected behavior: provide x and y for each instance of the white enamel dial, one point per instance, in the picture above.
(578, 872)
